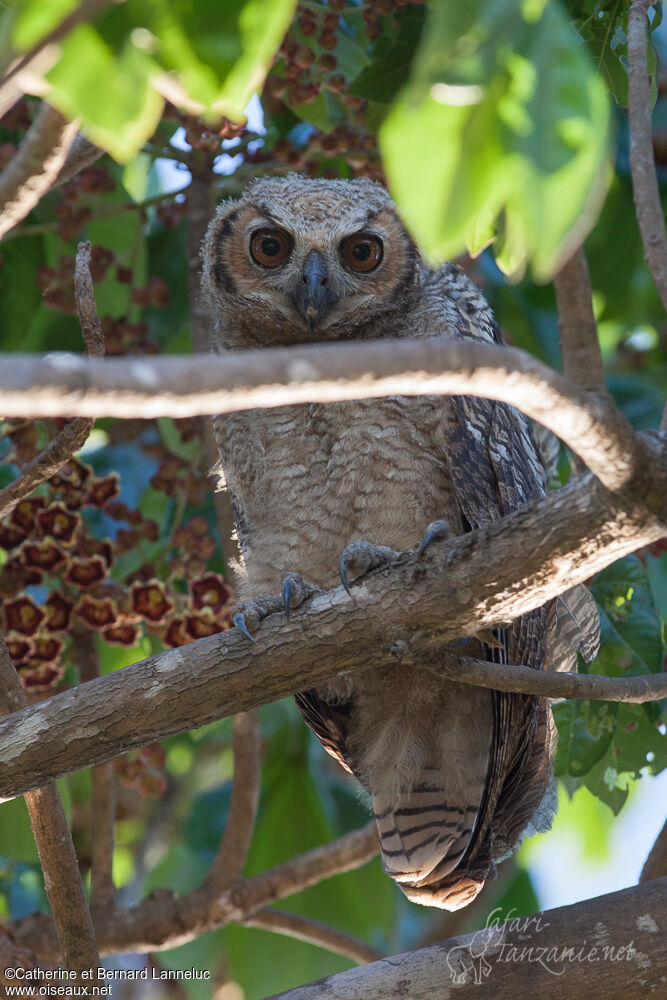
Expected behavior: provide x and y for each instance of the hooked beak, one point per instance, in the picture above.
(314, 297)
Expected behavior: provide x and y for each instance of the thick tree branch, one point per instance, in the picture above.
(66, 385)
(611, 946)
(313, 932)
(163, 921)
(75, 434)
(644, 179)
(483, 578)
(62, 880)
(34, 168)
(231, 856)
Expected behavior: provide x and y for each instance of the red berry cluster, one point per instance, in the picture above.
(143, 771)
(48, 543)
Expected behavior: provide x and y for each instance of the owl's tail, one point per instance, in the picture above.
(422, 839)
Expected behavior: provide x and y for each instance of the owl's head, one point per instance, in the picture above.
(296, 260)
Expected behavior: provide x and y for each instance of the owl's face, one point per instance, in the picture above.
(298, 260)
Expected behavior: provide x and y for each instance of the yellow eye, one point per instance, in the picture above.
(361, 252)
(270, 247)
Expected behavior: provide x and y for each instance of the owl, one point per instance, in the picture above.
(456, 775)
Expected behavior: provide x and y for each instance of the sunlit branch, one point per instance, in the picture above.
(67, 385)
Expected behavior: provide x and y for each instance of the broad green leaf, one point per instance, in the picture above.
(392, 58)
(585, 731)
(607, 783)
(504, 115)
(112, 94)
(33, 19)
(630, 626)
(262, 25)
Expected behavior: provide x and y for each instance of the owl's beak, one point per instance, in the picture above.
(314, 296)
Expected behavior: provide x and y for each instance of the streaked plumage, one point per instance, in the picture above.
(454, 773)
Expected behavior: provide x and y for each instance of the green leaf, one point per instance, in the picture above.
(502, 115)
(392, 57)
(112, 94)
(631, 640)
(34, 19)
(585, 732)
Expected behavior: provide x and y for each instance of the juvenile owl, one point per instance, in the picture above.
(456, 774)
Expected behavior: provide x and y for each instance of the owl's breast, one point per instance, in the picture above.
(308, 480)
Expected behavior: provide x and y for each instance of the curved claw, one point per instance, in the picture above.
(288, 590)
(239, 621)
(425, 542)
(342, 570)
(436, 531)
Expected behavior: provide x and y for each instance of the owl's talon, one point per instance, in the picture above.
(239, 621)
(296, 590)
(360, 558)
(437, 531)
(342, 570)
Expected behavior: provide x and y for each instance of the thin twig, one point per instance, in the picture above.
(84, 295)
(582, 360)
(230, 859)
(75, 434)
(549, 684)
(642, 166)
(82, 154)
(62, 880)
(9, 89)
(314, 932)
(34, 168)
(655, 865)
(69, 385)
(103, 799)
(580, 348)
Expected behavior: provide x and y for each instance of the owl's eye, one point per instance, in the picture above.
(361, 252)
(270, 247)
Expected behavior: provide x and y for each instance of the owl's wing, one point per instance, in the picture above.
(329, 721)
(497, 462)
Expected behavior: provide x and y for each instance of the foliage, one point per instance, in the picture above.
(522, 161)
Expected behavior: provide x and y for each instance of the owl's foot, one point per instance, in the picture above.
(359, 558)
(437, 531)
(295, 591)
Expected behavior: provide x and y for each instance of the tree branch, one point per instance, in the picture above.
(82, 153)
(313, 932)
(75, 434)
(162, 921)
(231, 856)
(34, 168)
(62, 880)
(103, 801)
(642, 166)
(582, 360)
(550, 954)
(483, 578)
(525, 680)
(66, 385)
